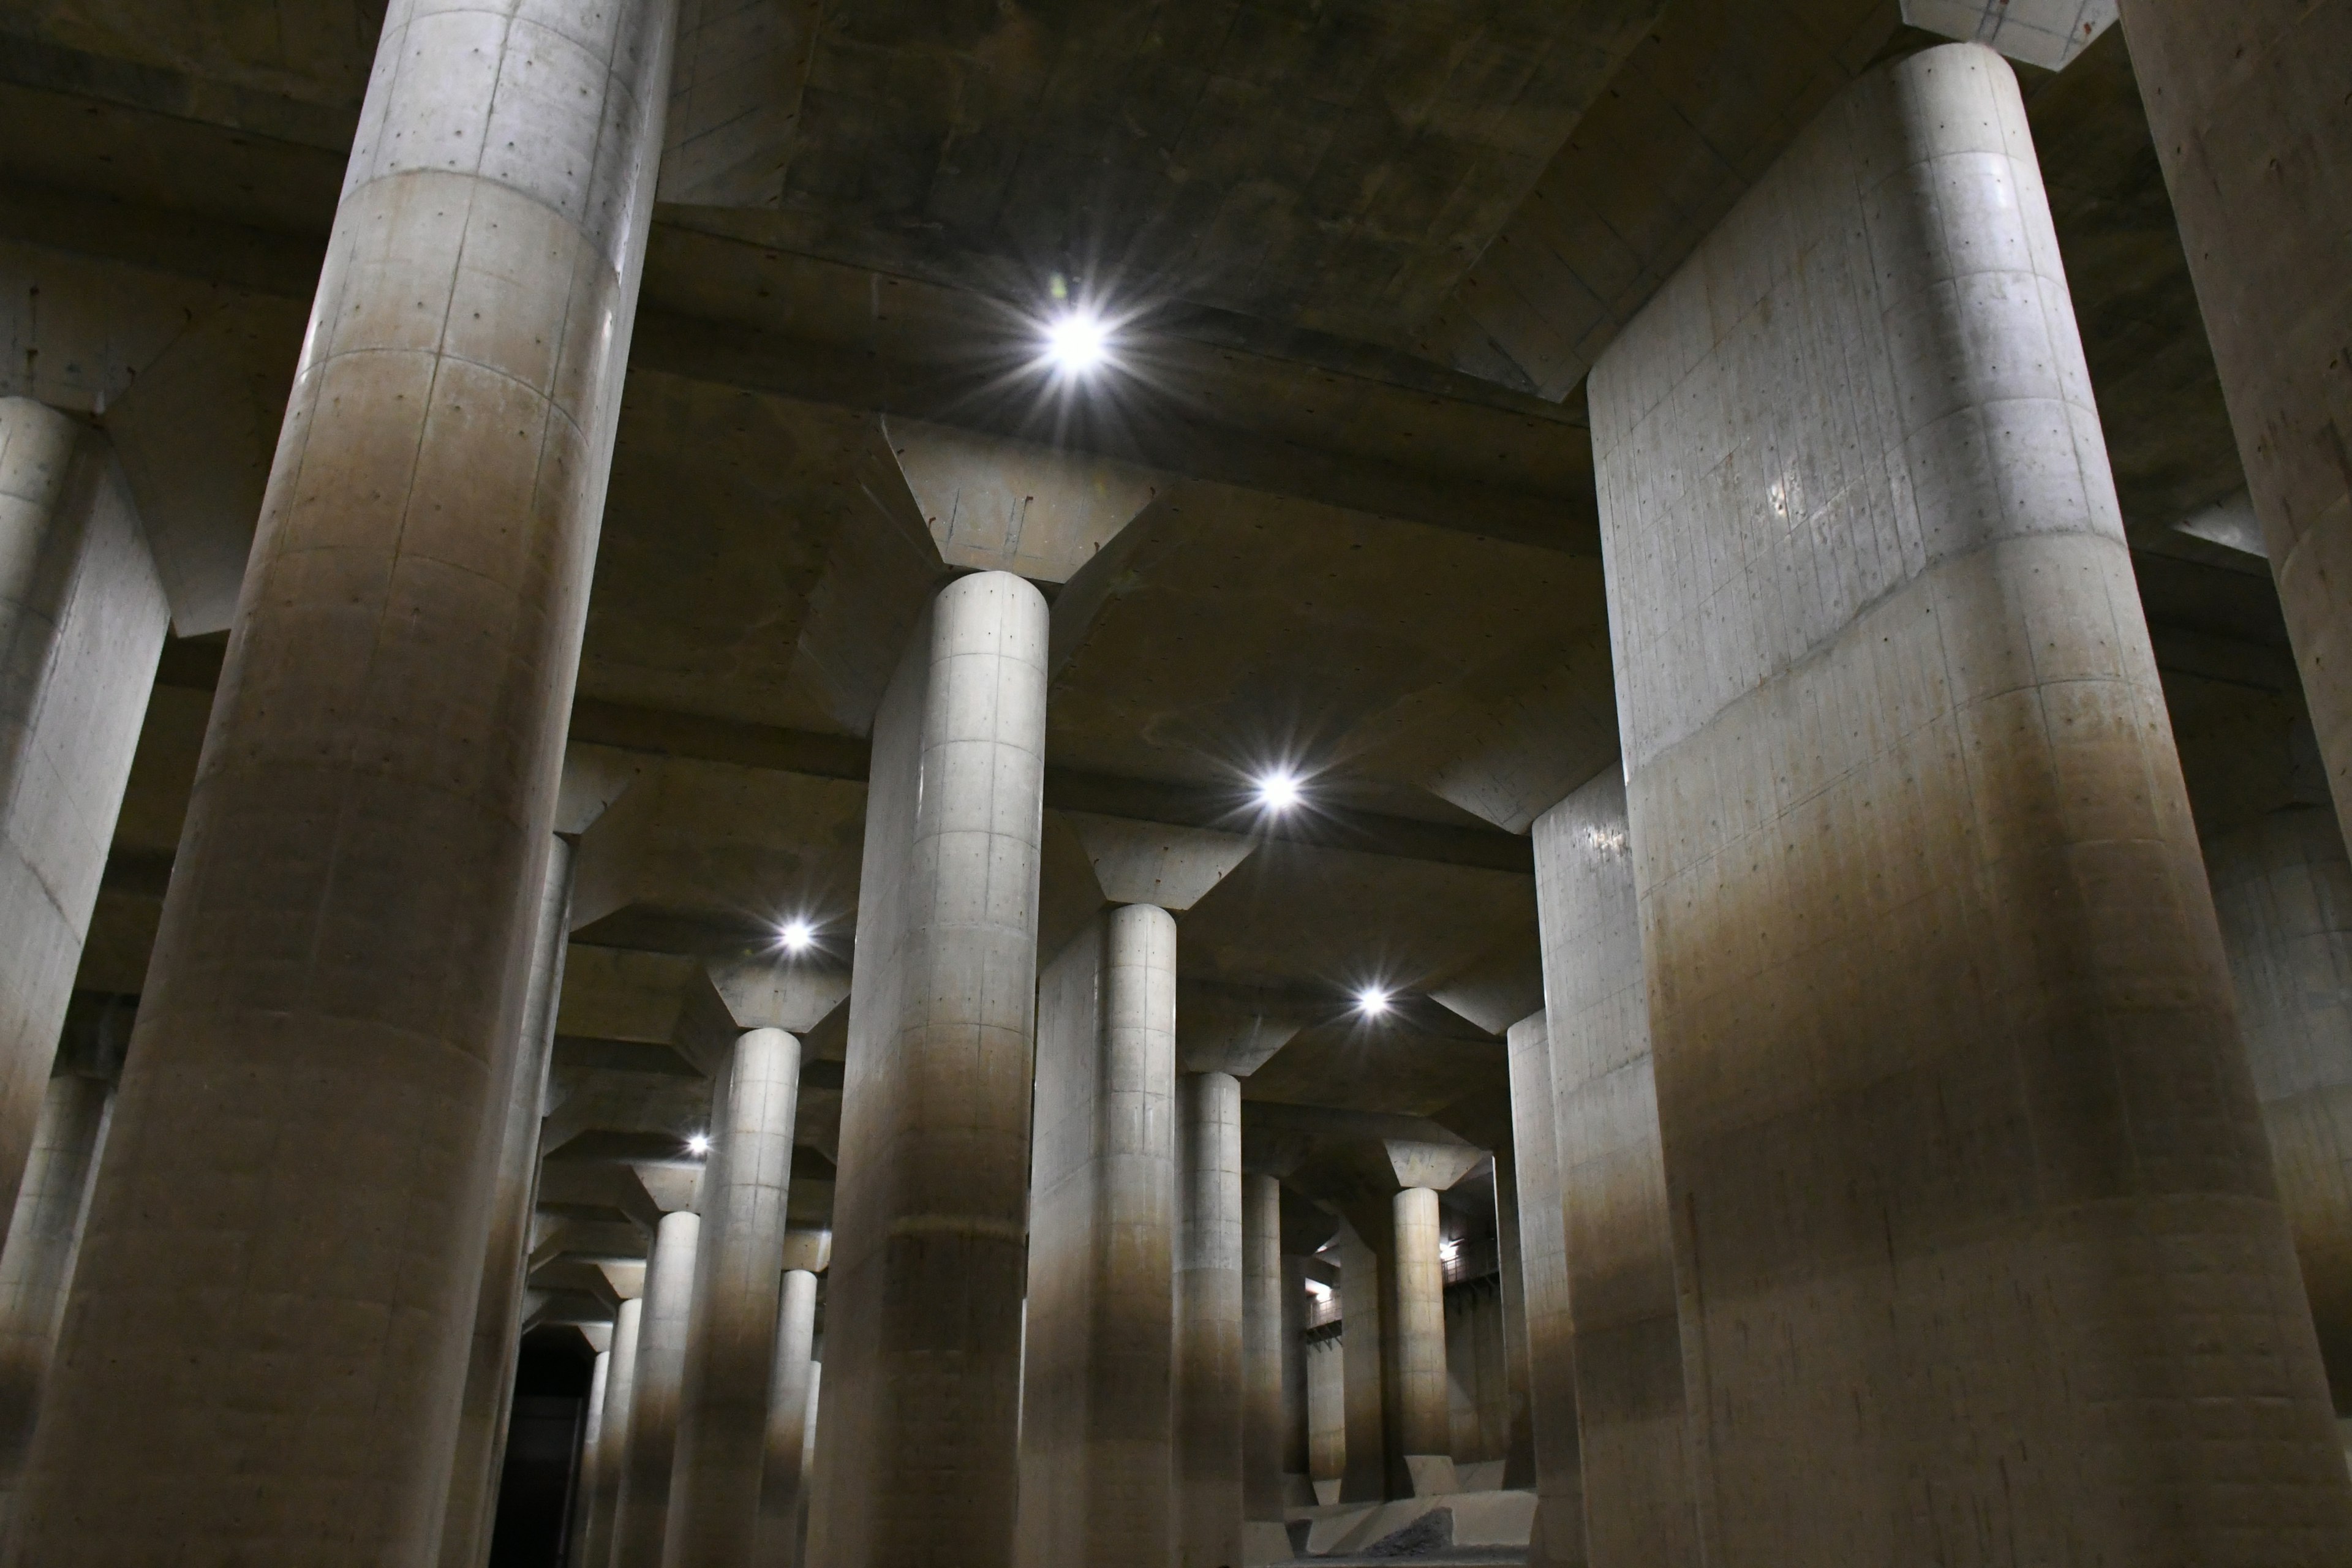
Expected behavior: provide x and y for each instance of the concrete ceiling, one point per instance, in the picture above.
(1374, 247)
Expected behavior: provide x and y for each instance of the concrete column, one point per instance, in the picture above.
(1296, 1474)
(613, 1437)
(919, 1455)
(714, 1514)
(1424, 1425)
(37, 1263)
(2282, 890)
(1551, 1334)
(641, 1514)
(488, 1399)
(808, 1445)
(1365, 1478)
(319, 1075)
(1209, 1422)
(584, 1494)
(792, 1378)
(2246, 102)
(1901, 784)
(82, 617)
(1519, 1454)
(1327, 1415)
(1618, 1266)
(1096, 1439)
(1262, 1358)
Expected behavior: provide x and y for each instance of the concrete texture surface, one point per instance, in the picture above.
(489, 1398)
(1633, 1430)
(656, 1390)
(81, 619)
(2282, 892)
(792, 1403)
(1209, 1387)
(613, 1435)
(1541, 1211)
(345, 943)
(731, 1342)
(918, 1448)
(1097, 1414)
(1425, 1431)
(37, 1264)
(1263, 1434)
(2253, 132)
(1927, 534)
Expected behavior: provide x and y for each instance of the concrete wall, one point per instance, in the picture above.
(1949, 1088)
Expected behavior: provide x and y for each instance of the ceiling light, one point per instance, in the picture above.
(1373, 1001)
(699, 1145)
(1078, 341)
(1278, 791)
(796, 936)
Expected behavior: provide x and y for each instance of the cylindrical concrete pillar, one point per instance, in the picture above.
(1554, 1439)
(1296, 1478)
(488, 1399)
(318, 1080)
(1096, 1422)
(790, 1377)
(37, 1264)
(641, 1516)
(82, 617)
(2282, 890)
(592, 1439)
(808, 1447)
(1901, 782)
(714, 1513)
(1262, 1358)
(1616, 1329)
(2251, 123)
(1209, 1422)
(919, 1459)
(1425, 1428)
(613, 1437)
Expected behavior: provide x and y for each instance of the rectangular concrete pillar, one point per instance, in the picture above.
(1096, 1434)
(1633, 1438)
(917, 1453)
(1977, 1236)
(1559, 1537)
(2246, 102)
(1519, 1452)
(1296, 1480)
(1364, 1403)
(82, 617)
(315, 1087)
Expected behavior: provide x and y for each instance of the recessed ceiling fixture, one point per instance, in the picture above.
(698, 1145)
(1278, 791)
(1078, 341)
(1371, 1002)
(796, 936)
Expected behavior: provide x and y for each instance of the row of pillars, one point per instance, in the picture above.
(1941, 1221)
